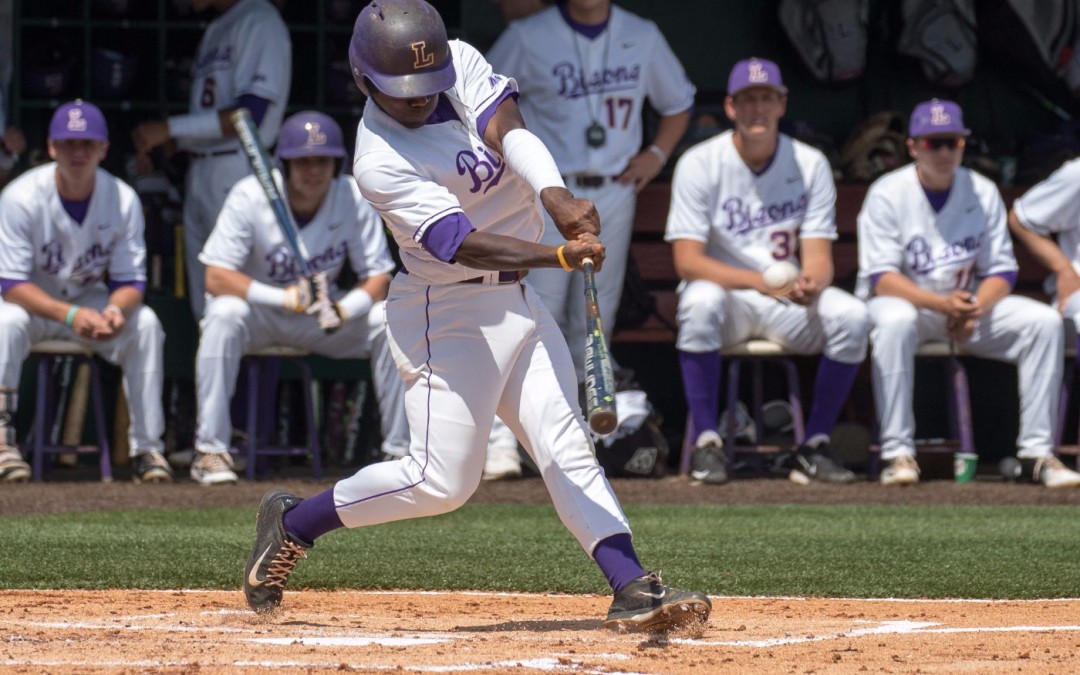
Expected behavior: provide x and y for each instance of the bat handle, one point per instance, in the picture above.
(587, 262)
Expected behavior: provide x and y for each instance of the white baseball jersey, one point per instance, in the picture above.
(246, 50)
(1053, 207)
(345, 228)
(41, 243)
(748, 220)
(457, 172)
(562, 94)
(942, 251)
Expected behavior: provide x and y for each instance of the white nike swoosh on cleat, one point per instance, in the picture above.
(656, 596)
(699, 475)
(253, 577)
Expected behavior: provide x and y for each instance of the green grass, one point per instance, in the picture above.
(859, 551)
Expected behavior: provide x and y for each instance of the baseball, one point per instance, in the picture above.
(780, 278)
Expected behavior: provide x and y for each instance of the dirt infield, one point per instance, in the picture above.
(213, 632)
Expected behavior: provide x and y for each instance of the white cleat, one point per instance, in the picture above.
(213, 468)
(902, 470)
(1051, 472)
(503, 462)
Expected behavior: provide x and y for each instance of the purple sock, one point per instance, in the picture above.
(618, 561)
(831, 389)
(701, 383)
(312, 518)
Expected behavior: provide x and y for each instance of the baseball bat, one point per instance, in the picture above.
(599, 378)
(260, 165)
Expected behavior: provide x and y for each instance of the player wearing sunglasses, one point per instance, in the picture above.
(936, 264)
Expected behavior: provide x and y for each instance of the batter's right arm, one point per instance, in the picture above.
(529, 158)
(295, 298)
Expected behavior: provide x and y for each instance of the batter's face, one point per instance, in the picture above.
(938, 155)
(756, 111)
(310, 177)
(410, 113)
(78, 158)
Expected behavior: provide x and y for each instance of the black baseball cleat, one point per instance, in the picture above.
(817, 464)
(646, 604)
(709, 462)
(274, 554)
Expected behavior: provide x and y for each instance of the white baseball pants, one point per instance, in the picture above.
(137, 350)
(710, 317)
(1017, 330)
(467, 352)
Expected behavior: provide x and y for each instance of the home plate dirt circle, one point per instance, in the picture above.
(214, 632)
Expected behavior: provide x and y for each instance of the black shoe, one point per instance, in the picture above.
(647, 604)
(151, 467)
(274, 555)
(818, 464)
(709, 463)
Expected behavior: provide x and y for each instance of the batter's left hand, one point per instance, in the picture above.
(640, 170)
(585, 246)
(806, 291)
(573, 216)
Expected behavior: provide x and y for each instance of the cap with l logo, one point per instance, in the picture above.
(78, 120)
(755, 72)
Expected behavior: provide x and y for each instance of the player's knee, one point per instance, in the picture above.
(1045, 321)
(147, 323)
(226, 310)
(899, 321)
(13, 317)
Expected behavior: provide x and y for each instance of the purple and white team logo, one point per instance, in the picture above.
(53, 253)
(939, 116)
(76, 121)
(315, 135)
(922, 259)
(483, 168)
(757, 73)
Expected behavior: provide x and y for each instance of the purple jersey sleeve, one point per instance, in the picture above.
(443, 237)
(485, 117)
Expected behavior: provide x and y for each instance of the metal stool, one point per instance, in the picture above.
(961, 434)
(47, 352)
(754, 353)
(255, 360)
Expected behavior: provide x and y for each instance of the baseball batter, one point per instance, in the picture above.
(741, 202)
(936, 263)
(244, 61)
(1046, 219)
(64, 226)
(258, 299)
(443, 155)
(585, 69)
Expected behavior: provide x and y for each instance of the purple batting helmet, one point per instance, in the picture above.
(401, 47)
(310, 134)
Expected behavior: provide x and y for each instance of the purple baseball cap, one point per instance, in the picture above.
(755, 72)
(937, 117)
(78, 120)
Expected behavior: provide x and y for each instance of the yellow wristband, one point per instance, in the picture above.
(562, 259)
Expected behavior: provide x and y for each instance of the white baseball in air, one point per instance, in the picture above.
(780, 278)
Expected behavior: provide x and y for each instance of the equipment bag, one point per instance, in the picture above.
(829, 35)
(940, 35)
(637, 448)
